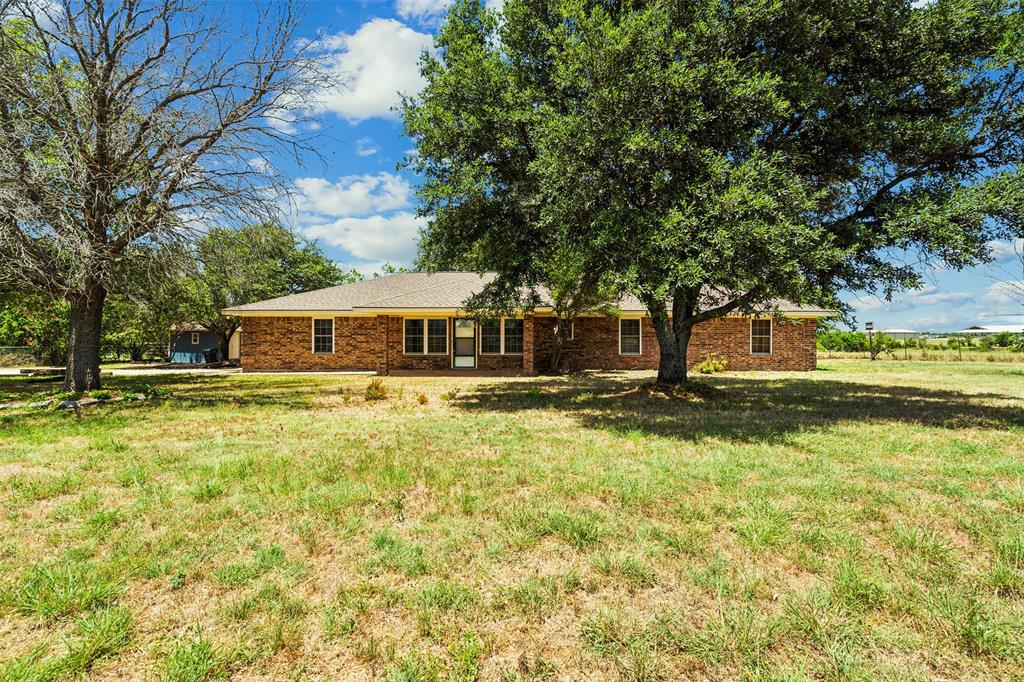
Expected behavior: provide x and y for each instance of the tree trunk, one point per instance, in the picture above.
(673, 334)
(561, 325)
(83, 367)
(673, 344)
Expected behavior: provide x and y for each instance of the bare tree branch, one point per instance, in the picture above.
(138, 120)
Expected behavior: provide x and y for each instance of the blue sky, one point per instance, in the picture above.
(361, 209)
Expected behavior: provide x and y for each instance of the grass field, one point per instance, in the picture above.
(862, 521)
(930, 355)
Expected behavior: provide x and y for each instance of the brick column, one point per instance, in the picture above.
(528, 346)
(383, 364)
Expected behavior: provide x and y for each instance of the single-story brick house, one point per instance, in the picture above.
(412, 321)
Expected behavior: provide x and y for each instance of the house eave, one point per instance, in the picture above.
(419, 312)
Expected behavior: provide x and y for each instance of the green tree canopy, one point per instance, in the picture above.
(712, 157)
(252, 263)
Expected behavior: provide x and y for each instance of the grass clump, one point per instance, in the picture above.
(244, 572)
(537, 596)
(395, 554)
(580, 530)
(375, 390)
(629, 568)
(195, 660)
(97, 636)
(60, 588)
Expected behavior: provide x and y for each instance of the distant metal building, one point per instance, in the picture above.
(900, 334)
(994, 329)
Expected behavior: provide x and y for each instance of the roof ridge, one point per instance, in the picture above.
(370, 304)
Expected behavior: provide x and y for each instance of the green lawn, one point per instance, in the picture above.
(862, 521)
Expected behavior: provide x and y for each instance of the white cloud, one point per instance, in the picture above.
(933, 296)
(376, 63)
(421, 10)
(369, 217)
(372, 238)
(430, 12)
(352, 195)
(1009, 292)
(929, 295)
(260, 164)
(366, 147)
(1006, 250)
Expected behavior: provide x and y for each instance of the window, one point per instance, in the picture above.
(323, 336)
(426, 336)
(501, 336)
(513, 336)
(629, 337)
(490, 336)
(437, 336)
(414, 336)
(760, 337)
(195, 338)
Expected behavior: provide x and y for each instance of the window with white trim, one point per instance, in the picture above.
(501, 337)
(323, 336)
(437, 336)
(513, 336)
(414, 336)
(195, 338)
(760, 337)
(629, 336)
(424, 336)
(490, 337)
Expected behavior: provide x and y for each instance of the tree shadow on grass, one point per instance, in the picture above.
(193, 390)
(743, 409)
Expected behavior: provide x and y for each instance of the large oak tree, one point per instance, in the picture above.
(713, 157)
(129, 125)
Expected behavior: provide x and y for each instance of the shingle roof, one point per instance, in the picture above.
(417, 290)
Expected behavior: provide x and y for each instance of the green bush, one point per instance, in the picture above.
(1007, 340)
(830, 338)
(711, 364)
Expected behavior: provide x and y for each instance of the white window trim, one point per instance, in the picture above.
(312, 335)
(771, 337)
(195, 338)
(641, 334)
(426, 335)
(501, 335)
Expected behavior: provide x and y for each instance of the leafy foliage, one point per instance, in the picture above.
(252, 263)
(714, 157)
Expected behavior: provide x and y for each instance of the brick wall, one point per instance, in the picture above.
(285, 343)
(595, 345)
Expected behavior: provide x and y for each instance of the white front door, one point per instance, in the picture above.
(464, 348)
